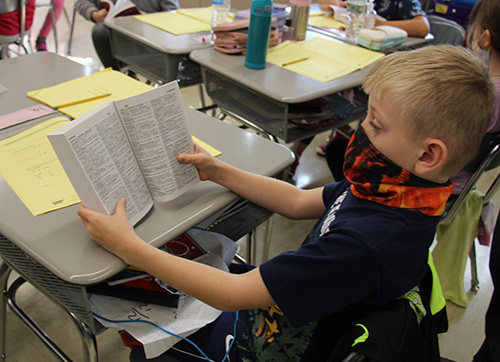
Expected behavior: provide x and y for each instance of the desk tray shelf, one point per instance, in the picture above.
(157, 66)
(71, 296)
(263, 111)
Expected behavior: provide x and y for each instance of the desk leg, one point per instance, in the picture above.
(4, 277)
(87, 337)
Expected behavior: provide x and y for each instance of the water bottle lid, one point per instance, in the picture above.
(288, 22)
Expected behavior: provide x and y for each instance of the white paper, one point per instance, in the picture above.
(190, 316)
(185, 320)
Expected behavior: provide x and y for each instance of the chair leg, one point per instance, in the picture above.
(473, 266)
(54, 27)
(5, 271)
(71, 29)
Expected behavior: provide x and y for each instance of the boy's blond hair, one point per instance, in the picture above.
(443, 92)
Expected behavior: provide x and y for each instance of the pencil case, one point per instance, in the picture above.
(381, 37)
(232, 37)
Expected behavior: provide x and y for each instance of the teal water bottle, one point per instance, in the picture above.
(258, 33)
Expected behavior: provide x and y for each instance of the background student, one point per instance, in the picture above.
(47, 26)
(404, 14)
(374, 231)
(92, 10)
(10, 22)
(483, 37)
(484, 40)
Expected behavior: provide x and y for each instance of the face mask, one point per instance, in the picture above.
(375, 178)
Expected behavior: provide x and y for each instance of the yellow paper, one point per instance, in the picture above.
(181, 21)
(315, 13)
(174, 22)
(213, 151)
(326, 21)
(30, 166)
(326, 59)
(110, 81)
(201, 14)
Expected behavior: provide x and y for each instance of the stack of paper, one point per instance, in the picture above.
(101, 87)
(321, 59)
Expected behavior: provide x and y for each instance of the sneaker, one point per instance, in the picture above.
(321, 150)
(40, 45)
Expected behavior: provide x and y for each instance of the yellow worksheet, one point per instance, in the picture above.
(111, 83)
(181, 21)
(30, 166)
(321, 59)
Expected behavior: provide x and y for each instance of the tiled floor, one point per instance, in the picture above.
(459, 343)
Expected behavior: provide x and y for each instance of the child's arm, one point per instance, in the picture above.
(275, 195)
(417, 27)
(219, 289)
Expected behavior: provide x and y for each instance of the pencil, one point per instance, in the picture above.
(82, 100)
(294, 61)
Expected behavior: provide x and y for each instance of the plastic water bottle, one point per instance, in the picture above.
(356, 10)
(258, 33)
(371, 14)
(220, 12)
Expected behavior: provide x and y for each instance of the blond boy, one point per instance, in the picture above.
(428, 110)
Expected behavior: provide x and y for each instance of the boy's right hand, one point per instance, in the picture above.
(206, 164)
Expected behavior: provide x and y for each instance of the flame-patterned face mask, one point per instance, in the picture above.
(375, 178)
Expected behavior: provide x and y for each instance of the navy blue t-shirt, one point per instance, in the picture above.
(359, 252)
(398, 9)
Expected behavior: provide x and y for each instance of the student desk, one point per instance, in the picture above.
(54, 251)
(261, 98)
(153, 52)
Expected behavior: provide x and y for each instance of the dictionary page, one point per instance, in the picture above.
(157, 128)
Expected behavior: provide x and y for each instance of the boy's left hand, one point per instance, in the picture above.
(114, 233)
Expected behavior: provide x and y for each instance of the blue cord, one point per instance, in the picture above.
(177, 335)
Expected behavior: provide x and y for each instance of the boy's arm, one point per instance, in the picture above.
(224, 291)
(275, 195)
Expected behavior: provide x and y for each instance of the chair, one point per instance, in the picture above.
(488, 158)
(445, 31)
(7, 6)
(397, 332)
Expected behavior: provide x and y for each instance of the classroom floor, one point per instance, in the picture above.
(465, 334)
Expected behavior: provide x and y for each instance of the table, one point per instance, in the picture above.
(54, 251)
(262, 98)
(153, 52)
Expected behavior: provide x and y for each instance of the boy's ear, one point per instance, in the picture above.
(432, 158)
